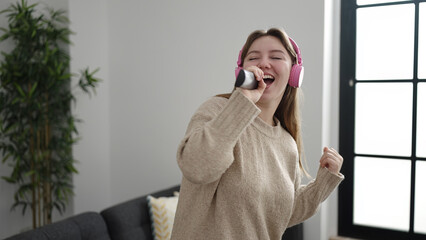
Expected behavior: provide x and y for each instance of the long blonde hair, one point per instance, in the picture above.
(287, 112)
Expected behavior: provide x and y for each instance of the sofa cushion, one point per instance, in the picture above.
(294, 233)
(130, 220)
(84, 226)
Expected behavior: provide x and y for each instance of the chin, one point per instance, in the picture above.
(271, 96)
(267, 98)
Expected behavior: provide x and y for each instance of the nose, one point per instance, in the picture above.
(264, 63)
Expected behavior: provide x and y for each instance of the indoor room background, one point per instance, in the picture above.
(159, 60)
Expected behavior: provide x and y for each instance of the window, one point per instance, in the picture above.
(383, 119)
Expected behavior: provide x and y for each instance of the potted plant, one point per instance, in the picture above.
(37, 128)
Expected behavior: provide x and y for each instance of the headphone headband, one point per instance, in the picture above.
(297, 50)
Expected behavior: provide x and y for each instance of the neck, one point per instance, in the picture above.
(267, 112)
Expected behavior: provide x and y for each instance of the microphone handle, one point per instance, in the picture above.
(245, 79)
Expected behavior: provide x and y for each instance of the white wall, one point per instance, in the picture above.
(90, 48)
(327, 217)
(159, 61)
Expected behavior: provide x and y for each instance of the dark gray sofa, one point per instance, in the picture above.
(88, 225)
(129, 220)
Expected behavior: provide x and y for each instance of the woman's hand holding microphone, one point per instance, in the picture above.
(255, 94)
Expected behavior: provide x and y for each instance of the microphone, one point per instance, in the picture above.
(245, 79)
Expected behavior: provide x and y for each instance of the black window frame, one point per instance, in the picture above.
(348, 84)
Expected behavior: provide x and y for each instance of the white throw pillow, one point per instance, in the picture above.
(162, 211)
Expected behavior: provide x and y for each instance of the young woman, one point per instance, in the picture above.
(241, 155)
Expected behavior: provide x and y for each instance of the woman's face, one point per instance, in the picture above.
(268, 54)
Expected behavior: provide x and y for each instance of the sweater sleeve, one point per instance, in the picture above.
(206, 151)
(309, 197)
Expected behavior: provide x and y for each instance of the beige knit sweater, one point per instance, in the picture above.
(241, 178)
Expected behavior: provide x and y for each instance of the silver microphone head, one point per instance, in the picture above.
(245, 79)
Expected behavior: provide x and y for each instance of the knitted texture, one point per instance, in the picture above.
(241, 178)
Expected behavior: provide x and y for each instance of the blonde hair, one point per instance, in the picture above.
(287, 112)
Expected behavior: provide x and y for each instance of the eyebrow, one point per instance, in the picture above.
(272, 51)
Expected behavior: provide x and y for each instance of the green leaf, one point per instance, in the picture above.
(4, 37)
(24, 208)
(5, 158)
(33, 89)
(16, 100)
(11, 127)
(71, 168)
(19, 89)
(8, 179)
(32, 5)
(29, 173)
(65, 76)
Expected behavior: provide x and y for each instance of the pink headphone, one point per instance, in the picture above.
(297, 70)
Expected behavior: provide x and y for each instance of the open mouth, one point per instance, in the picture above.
(268, 79)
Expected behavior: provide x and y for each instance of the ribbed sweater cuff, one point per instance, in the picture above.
(237, 114)
(327, 181)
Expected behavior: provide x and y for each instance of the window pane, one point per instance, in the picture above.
(420, 205)
(421, 120)
(421, 73)
(364, 2)
(383, 118)
(382, 193)
(385, 42)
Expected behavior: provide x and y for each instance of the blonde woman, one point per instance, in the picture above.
(241, 155)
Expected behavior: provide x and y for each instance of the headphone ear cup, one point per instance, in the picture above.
(296, 76)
